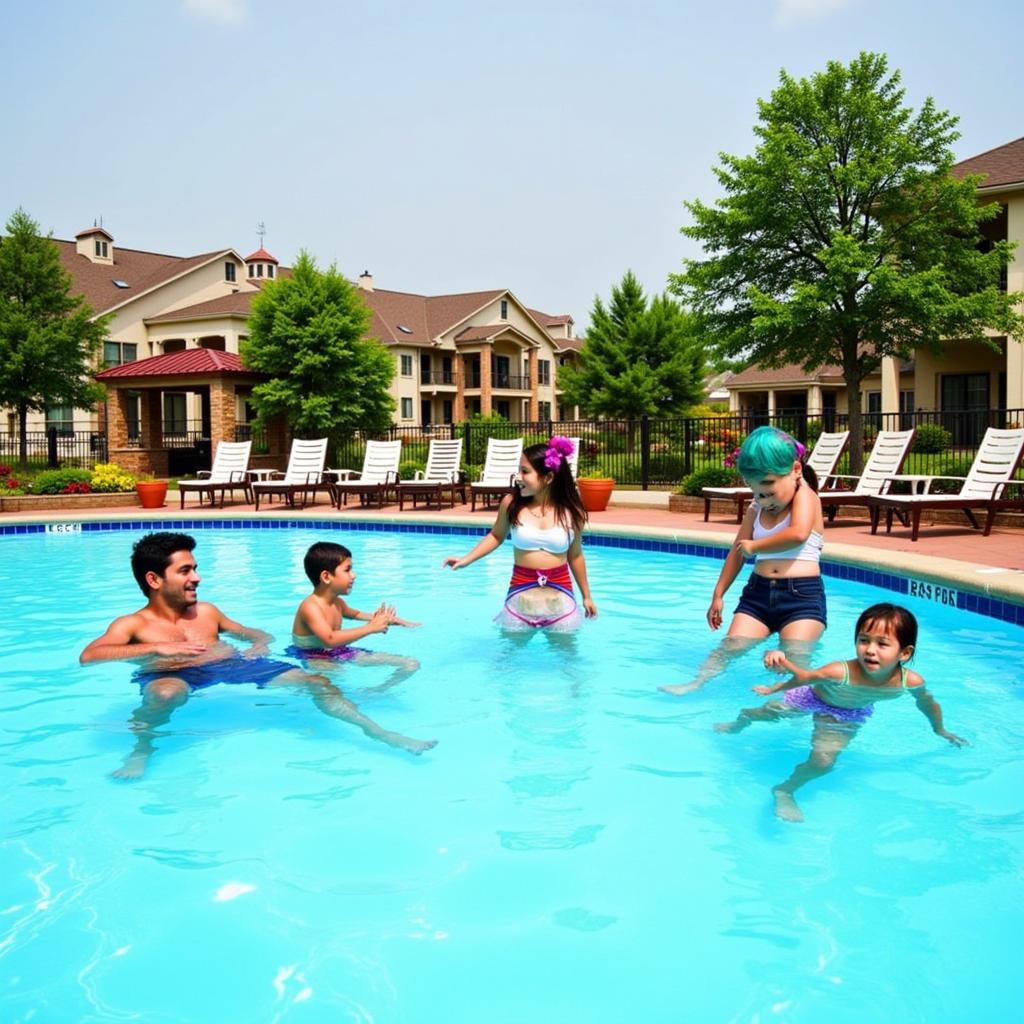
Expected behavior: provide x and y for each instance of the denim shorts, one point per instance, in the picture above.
(779, 601)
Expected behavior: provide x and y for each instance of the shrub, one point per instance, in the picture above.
(958, 467)
(931, 439)
(667, 467)
(10, 485)
(713, 476)
(407, 468)
(108, 478)
(54, 481)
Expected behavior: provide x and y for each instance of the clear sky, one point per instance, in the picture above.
(445, 146)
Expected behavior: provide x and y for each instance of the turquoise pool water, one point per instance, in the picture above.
(577, 846)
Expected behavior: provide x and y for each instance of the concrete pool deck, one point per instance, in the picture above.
(945, 553)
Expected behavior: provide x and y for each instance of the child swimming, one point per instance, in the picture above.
(842, 695)
(783, 531)
(545, 519)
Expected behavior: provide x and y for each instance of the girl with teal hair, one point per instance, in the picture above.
(783, 532)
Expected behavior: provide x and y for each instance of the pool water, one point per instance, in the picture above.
(577, 847)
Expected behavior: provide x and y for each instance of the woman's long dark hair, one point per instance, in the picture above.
(563, 494)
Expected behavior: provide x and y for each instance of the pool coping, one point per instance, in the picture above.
(992, 591)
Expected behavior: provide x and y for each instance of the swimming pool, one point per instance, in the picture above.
(577, 846)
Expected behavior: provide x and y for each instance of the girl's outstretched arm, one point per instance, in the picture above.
(929, 707)
(798, 676)
(578, 567)
(494, 539)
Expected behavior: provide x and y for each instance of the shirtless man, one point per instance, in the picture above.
(177, 639)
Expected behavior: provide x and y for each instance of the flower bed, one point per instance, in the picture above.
(66, 502)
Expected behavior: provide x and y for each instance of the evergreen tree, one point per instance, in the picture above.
(309, 333)
(49, 340)
(637, 359)
(844, 238)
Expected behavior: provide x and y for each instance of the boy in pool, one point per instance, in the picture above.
(318, 629)
(842, 696)
(178, 637)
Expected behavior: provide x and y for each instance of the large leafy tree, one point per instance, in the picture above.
(49, 338)
(844, 238)
(639, 357)
(309, 333)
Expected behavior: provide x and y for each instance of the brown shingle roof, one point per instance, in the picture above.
(426, 316)
(262, 256)
(550, 319)
(141, 270)
(1003, 165)
(192, 362)
(235, 304)
(791, 373)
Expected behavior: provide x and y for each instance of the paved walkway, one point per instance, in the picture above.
(943, 551)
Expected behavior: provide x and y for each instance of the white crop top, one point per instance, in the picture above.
(555, 539)
(809, 551)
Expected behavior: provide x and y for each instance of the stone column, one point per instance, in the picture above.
(534, 375)
(771, 402)
(459, 410)
(485, 382)
(814, 402)
(117, 418)
(223, 414)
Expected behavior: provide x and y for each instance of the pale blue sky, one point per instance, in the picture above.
(544, 147)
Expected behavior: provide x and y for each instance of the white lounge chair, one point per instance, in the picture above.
(442, 476)
(823, 460)
(305, 473)
(886, 459)
(500, 468)
(984, 489)
(228, 473)
(377, 478)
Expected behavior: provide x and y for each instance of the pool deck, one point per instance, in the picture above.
(944, 553)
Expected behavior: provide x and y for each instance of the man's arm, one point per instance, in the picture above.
(119, 643)
(257, 637)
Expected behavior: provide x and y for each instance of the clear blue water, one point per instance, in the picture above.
(577, 847)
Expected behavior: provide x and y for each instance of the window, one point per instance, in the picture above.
(259, 269)
(61, 418)
(175, 416)
(543, 371)
(406, 362)
(874, 402)
(504, 309)
(270, 270)
(406, 408)
(544, 410)
(118, 283)
(117, 352)
(229, 271)
(101, 248)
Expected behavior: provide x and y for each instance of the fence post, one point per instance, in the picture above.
(687, 448)
(645, 452)
(468, 445)
(51, 448)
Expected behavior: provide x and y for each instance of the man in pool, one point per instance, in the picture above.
(176, 637)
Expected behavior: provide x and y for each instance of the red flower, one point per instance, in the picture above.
(5, 470)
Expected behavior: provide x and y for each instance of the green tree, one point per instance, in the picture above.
(638, 358)
(844, 238)
(49, 338)
(308, 332)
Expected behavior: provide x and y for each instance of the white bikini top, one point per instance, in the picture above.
(554, 539)
(809, 551)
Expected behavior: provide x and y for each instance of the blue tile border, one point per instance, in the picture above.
(991, 607)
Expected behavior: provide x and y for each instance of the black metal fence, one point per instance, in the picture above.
(48, 449)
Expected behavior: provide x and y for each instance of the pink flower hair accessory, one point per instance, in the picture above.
(559, 449)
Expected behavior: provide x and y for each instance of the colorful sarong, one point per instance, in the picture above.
(540, 598)
(345, 653)
(803, 698)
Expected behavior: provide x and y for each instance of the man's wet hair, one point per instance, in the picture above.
(324, 557)
(890, 617)
(153, 553)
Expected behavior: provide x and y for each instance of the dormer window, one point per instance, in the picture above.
(259, 269)
(101, 248)
(270, 270)
(229, 271)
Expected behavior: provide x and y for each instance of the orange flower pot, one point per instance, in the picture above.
(595, 493)
(152, 493)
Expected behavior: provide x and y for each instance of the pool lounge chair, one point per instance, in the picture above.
(375, 481)
(500, 468)
(441, 478)
(228, 473)
(886, 459)
(304, 475)
(986, 488)
(823, 460)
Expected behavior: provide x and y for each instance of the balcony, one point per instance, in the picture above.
(437, 378)
(499, 382)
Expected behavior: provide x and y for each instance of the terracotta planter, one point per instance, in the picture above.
(152, 493)
(595, 493)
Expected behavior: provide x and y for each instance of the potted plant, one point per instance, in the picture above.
(595, 490)
(152, 493)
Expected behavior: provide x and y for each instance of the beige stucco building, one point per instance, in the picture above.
(454, 354)
(966, 377)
